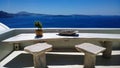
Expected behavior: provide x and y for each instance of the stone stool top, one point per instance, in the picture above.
(91, 48)
(39, 47)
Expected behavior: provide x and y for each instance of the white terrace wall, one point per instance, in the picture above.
(70, 45)
(5, 48)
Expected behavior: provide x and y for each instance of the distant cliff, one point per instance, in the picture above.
(5, 14)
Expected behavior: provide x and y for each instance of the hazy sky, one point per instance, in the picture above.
(64, 7)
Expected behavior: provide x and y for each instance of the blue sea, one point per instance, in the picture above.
(63, 21)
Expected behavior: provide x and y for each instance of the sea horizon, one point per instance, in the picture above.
(26, 20)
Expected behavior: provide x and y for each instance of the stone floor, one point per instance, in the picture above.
(21, 59)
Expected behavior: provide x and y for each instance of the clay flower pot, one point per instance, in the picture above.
(38, 31)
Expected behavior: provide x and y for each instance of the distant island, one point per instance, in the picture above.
(4, 14)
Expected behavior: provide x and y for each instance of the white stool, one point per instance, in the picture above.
(90, 51)
(38, 51)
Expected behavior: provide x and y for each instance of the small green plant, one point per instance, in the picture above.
(38, 24)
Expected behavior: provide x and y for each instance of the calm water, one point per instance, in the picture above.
(64, 22)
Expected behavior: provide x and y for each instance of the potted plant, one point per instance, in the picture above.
(38, 31)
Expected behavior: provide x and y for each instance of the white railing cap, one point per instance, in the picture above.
(3, 27)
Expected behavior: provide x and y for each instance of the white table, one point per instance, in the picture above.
(106, 38)
(38, 51)
(90, 51)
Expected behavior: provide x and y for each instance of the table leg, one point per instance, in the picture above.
(108, 51)
(39, 60)
(89, 60)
